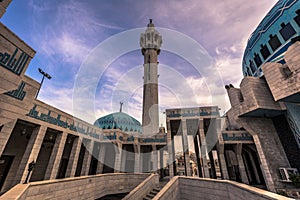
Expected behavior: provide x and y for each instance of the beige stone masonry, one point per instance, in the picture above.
(56, 155)
(72, 164)
(190, 188)
(31, 153)
(84, 187)
(281, 84)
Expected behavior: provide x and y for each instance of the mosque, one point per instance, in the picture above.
(47, 153)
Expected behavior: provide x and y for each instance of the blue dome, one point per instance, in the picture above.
(119, 120)
(272, 37)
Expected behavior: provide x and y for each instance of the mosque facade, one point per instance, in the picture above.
(254, 143)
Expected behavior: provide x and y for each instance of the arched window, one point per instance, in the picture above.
(274, 42)
(264, 51)
(257, 60)
(287, 31)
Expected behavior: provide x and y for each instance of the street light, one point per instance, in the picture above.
(44, 75)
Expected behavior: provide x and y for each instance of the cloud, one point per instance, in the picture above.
(61, 99)
(65, 32)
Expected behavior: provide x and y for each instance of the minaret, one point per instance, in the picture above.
(150, 43)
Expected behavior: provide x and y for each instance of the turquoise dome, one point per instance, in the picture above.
(119, 120)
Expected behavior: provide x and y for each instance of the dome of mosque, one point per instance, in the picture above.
(119, 120)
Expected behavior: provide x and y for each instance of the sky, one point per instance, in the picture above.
(91, 50)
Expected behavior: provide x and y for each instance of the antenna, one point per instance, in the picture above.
(121, 105)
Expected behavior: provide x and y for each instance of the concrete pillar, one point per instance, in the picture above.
(186, 148)
(5, 133)
(87, 158)
(203, 152)
(254, 166)
(170, 144)
(31, 153)
(101, 159)
(56, 155)
(235, 96)
(238, 152)
(154, 158)
(222, 162)
(73, 160)
(118, 158)
(264, 165)
(137, 158)
(123, 160)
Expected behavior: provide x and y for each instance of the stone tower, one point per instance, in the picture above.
(150, 43)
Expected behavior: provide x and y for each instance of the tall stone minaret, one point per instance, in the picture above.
(150, 43)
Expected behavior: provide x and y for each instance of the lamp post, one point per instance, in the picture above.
(44, 75)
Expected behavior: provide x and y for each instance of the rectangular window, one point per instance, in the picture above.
(264, 51)
(257, 60)
(287, 31)
(274, 42)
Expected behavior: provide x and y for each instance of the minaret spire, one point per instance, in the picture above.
(150, 43)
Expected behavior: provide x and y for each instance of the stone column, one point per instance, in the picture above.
(5, 133)
(222, 161)
(186, 148)
(203, 149)
(170, 144)
(123, 160)
(137, 158)
(254, 166)
(73, 160)
(31, 153)
(154, 159)
(118, 159)
(87, 158)
(101, 159)
(238, 152)
(56, 155)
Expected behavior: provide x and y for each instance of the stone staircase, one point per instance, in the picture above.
(152, 193)
(156, 190)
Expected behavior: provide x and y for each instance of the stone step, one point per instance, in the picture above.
(150, 196)
(153, 192)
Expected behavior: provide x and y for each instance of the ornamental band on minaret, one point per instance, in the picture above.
(150, 42)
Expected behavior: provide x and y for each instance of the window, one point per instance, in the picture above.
(253, 69)
(287, 31)
(257, 60)
(264, 51)
(274, 42)
(297, 18)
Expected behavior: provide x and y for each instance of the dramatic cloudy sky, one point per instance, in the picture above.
(69, 34)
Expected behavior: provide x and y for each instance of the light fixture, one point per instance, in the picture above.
(69, 140)
(23, 132)
(51, 137)
(44, 75)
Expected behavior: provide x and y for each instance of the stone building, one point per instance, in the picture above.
(264, 117)
(59, 144)
(262, 107)
(202, 125)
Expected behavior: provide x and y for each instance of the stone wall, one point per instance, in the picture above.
(190, 188)
(85, 187)
(144, 188)
(3, 5)
(283, 80)
(170, 191)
